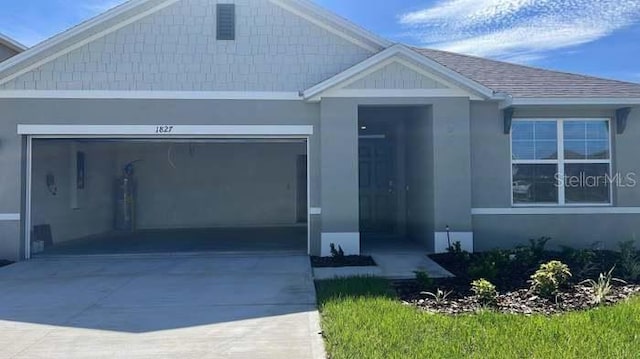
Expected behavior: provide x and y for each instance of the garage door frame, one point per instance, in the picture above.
(158, 132)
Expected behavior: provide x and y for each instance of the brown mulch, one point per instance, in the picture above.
(345, 261)
(522, 301)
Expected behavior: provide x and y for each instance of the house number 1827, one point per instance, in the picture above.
(164, 129)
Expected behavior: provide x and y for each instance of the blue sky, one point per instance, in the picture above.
(597, 37)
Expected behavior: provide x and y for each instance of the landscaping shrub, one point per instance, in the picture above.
(439, 297)
(533, 254)
(549, 278)
(336, 253)
(490, 265)
(485, 291)
(456, 250)
(425, 282)
(602, 287)
(629, 261)
(583, 261)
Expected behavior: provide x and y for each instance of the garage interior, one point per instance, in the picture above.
(114, 196)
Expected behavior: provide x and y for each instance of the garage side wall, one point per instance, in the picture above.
(72, 212)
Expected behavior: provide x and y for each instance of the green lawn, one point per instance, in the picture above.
(361, 319)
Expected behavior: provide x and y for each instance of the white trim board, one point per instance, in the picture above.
(332, 29)
(11, 43)
(357, 93)
(546, 101)
(176, 130)
(554, 210)
(9, 216)
(153, 95)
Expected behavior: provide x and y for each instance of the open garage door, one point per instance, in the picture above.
(143, 195)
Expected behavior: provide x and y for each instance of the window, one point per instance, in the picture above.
(226, 22)
(561, 162)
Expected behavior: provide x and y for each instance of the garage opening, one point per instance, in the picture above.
(113, 196)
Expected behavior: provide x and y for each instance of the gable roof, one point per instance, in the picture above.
(399, 52)
(134, 10)
(334, 23)
(11, 43)
(530, 82)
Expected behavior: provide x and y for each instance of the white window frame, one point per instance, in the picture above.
(561, 161)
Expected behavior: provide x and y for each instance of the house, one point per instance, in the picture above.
(9, 47)
(176, 125)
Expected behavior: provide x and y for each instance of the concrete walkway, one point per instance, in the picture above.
(185, 306)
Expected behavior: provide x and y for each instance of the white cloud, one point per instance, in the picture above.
(519, 30)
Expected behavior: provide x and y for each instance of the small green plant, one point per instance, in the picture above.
(537, 247)
(533, 254)
(602, 287)
(456, 250)
(583, 261)
(549, 278)
(485, 291)
(629, 261)
(424, 280)
(440, 296)
(336, 253)
(484, 268)
(489, 265)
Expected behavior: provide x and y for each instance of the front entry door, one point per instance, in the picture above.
(378, 197)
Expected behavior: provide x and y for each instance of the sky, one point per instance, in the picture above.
(594, 37)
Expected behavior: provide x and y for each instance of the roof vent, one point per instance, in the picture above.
(226, 21)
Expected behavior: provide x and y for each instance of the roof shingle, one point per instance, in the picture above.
(525, 81)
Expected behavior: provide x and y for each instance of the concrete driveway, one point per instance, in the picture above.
(185, 306)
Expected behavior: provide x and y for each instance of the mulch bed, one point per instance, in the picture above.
(345, 261)
(511, 278)
(524, 302)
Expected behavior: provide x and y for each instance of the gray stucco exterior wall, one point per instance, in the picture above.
(132, 112)
(491, 173)
(339, 170)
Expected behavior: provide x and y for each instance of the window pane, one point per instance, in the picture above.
(523, 150)
(574, 130)
(587, 183)
(574, 150)
(597, 130)
(535, 140)
(521, 130)
(546, 130)
(598, 150)
(535, 184)
(586, 140)
(546, 150)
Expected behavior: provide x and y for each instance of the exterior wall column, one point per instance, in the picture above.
(452, 173)
(339, 176)
(11, 151)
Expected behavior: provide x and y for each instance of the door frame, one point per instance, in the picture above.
(157, 132)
